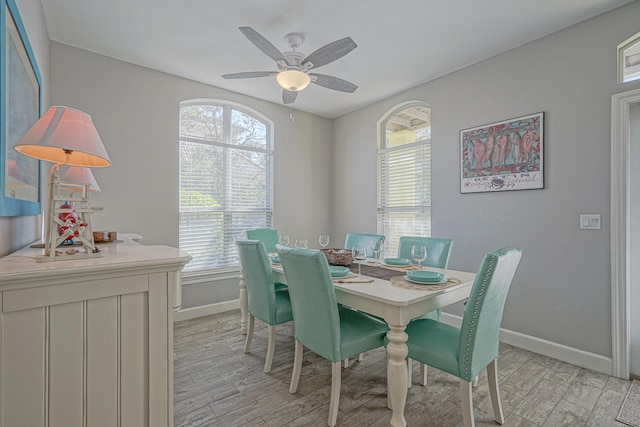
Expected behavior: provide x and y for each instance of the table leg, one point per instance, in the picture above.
(244, 305)
(397, 373)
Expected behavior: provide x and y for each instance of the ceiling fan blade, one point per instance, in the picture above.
(264, 45)
(334, 83)
(288, 96)
(248, 74)
(329, 53)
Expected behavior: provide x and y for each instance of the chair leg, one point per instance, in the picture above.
(474, 384)
(494, 390)
(345, 363)
(423, 374)
(409, 372)
(297, 367)
(247, 341)
(336, 379)
(271, 349)
(360, 357)
(467, 403)
(386, 363)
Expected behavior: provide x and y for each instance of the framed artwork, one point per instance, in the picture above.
(20, 99)
(503, 156)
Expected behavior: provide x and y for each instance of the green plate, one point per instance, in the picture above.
(338, 271)
(425, 276)
(400, 262)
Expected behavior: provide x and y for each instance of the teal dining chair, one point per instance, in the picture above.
(265, 303)
(438, 254)
(329, 330)
(438, 249)
(269, 237)
(366, 240)
(467, 350)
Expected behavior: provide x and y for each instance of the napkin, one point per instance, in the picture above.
(354, 280)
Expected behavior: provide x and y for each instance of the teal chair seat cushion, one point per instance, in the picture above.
(435, 342)
(280, 286)
(283, 307)
(360, 332)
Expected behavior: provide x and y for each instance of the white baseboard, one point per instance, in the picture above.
(205, 310)
(561, 352)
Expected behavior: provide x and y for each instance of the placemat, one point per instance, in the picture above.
(402, 283)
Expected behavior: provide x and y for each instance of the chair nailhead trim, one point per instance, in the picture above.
(474, 315)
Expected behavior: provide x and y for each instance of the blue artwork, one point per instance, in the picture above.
(20, 108)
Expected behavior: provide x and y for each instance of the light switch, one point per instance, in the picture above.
(589, 222)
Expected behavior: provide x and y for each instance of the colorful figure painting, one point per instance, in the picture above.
(503, 156)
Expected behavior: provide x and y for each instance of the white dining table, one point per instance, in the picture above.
(397, 306)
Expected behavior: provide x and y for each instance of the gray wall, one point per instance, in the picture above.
(562, 289)
(17, 232)
(135, 110)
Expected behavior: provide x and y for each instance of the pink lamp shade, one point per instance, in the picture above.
(81, 175)
(64, 135)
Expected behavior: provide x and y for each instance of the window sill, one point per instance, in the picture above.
(210, 275)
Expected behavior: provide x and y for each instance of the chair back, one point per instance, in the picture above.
(479, 333)
(313, 301)
(438, 250)
(261, 293)
(269, 237)
(353, 239)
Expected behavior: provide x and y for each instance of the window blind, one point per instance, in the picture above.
(225, 182)
(404, 192)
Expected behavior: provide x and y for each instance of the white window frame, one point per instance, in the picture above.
(391, 242)
(631, 42)
(228, 106)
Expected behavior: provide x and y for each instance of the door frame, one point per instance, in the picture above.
(620, 226)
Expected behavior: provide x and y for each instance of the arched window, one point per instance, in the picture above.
(226, 184)
(629, 59)
(404, 174)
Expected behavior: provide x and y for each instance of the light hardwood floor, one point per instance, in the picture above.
(216, 384)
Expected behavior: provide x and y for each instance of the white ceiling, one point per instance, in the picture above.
(401, 43)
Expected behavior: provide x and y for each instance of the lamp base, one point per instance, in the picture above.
(68, 219)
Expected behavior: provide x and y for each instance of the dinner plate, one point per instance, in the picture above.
(338, 271)
(425, 276)
(444, 280)
(397, 262)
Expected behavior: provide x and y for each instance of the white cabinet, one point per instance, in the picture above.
(88, 342)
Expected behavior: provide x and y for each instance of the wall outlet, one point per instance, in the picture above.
(589, 222)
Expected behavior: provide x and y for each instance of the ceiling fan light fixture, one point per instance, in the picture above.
(293, 80)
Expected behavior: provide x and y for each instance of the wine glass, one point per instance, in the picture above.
(376, 249)
(359, 253)
(302, 244)
(323, 240)
(283, 240)
(419, 254)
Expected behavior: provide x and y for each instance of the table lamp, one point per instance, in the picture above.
(81, 175)
(66, 136)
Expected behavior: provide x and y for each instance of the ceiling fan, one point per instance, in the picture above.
(294, 67)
